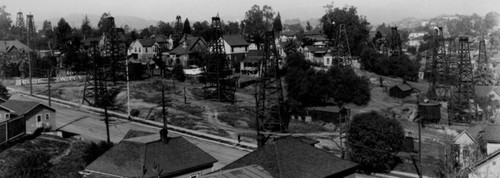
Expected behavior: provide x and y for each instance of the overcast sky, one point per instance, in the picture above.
(377, 11)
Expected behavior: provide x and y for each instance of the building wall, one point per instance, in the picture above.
(490, 169)
(3, 116)
(232, 50)
(142, 52)
(492, 147)
(32, 116)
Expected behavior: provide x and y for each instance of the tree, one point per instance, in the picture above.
(86, 28)
(145, 33)
(491, 19)
(33, 164)
(232, 28)
(5, 22)
(203, 29)
(179, 73)
(257, 21)
(165, 28)
(357, 26)
(187, 27)
(178, 30)
(106, 23)
(373, 140)
(63, 33)
(308, 26)
(4, 93)
(277, 24)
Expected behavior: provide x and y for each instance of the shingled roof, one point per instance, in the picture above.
(146, 42)
(191, 42)
(5, 45)
(147, 155)
(21, 107)
(290, 157)
(235, 40)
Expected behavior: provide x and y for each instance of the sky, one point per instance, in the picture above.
(376, 11)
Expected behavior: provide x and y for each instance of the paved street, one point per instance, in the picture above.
(91, 126)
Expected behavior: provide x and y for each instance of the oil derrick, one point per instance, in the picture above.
(270, 103)
(220, 84)
(115, 52)
(396, 49)
(342, 47)
(20, 23)
(483, 75)
(95, 89)
(462, 106)
(439, 88)
(31, 25)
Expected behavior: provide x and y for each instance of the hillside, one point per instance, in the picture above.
(75, 20)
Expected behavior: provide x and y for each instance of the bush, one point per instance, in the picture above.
(135, 112)
(33, 164)
(179, 73)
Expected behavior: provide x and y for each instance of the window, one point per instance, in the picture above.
(47, 116)
(7, 116)
(232, 49)
(494, 163)
(39, 118)
(139, 49)
(327, 61)
(145, 50)
(135, 49)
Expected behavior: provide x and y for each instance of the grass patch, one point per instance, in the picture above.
(191, 109)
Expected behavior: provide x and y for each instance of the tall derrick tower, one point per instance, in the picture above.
(439, 88)
(220, 84)
(270, 104)
(343, 56)
(396, 49)
(95, 89)
(20, 23)
(483, 75)
(462, 105)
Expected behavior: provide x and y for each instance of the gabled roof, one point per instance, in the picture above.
(404, 87)
(22, 107)
(334, 109)
(492, 134)
(147, 155)
(5, 45)
(251, 171)
(146, 42)
(254, 56)
(191, 42)
(464, 134)
(235, 40)
(289, 157)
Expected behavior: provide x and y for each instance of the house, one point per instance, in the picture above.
(36, 115)
(143, 50)
(401, 90)
(190, 51)
(289, 157)
(466, 145)
(250, 66)
(250, 171)
(152, 156)
(488, 167)
(236, 48)
(331, 114)
(164, 42)
(13, 47)
(492, 138)
(415, 42)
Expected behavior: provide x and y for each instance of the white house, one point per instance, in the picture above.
(492, 138)
(466, 145)
(236, 48)
(488, 167)
(416, 34)
(142, 49)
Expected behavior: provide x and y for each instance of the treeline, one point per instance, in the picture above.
(394, 66)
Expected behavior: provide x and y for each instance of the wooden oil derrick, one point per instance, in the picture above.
(462, 104)
(114, 52)
(95, 89)
(439, 88)
(483, 75)
(396, 49)
(219, 84)
(343, 55)
(270, 104)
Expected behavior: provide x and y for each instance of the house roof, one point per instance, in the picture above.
(483, 91)
(146, 42)
(290, 157)
(253, 171)
(6, 45)
(147, 155)
(235, 40)
(136, 133)
(487, 159)
(492, 134)
(464, 134)
(22, 107)
(404, 87)
(496, 89)
(159, 38)
(254, 56)
(334, 109)
(191, 42)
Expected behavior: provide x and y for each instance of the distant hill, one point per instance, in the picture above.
(75, 20)
(313, 21)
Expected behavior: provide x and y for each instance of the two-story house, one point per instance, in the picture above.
(35, 115)
(190, 51)
(250, 66)
(143, 50)
(236, 48)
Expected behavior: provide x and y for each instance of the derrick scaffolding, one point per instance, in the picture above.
(483, 76)
(462, 107)
(270, 103)
(439, 89)
(219, 84)
(343, 56)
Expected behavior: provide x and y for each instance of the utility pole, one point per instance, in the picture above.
(48, 86)
(106, 121)
(128, 89)
(185, 99)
